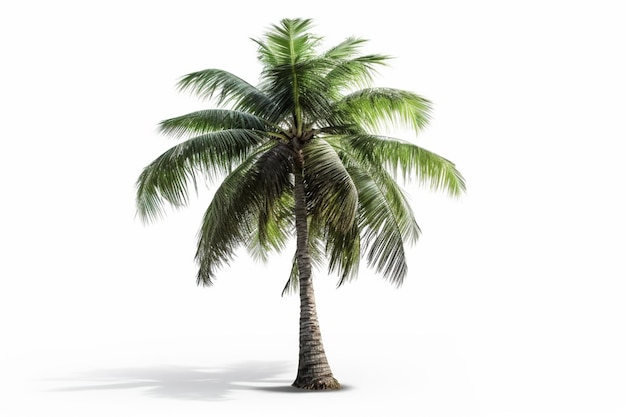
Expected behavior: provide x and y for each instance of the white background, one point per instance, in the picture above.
(514, 304)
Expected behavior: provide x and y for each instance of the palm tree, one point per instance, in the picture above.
(299, 155)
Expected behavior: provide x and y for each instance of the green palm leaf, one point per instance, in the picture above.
(332, 194)
(210, 121)
(409, 160)
(275, 228)
(228, 221)
(167, 178)
(382, 231)
(243, 210)
(287, 43)
(378, 108)
(228, 89)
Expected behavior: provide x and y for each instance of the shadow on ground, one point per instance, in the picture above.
(188, 383)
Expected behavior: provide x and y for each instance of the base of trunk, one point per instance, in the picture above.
(323, 383)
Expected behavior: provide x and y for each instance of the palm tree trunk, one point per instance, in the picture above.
(313, 370)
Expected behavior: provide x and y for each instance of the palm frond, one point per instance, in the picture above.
(349, 70)
(409, 160)
(167, 178)
(343, 250)
(292, 284)
(301, 87)
(398, 204)
(396, 200)
(229, 89)
(275, 212)
(211, 120)
(243, 209)
(377, 108)
(355, 73)
(382, 233)
(275, 228)
(227, 223)
(331, 193)
(287, 43)
(345, 49)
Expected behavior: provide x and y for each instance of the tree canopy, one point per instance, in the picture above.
(314, 110)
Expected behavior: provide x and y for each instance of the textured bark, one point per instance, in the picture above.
(313, 370)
